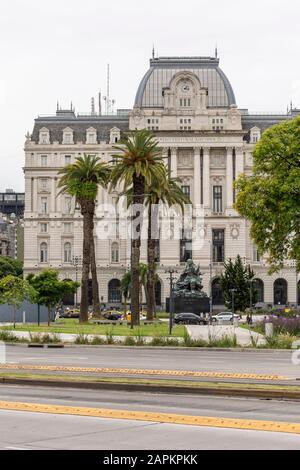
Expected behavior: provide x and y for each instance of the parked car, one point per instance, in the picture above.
(70, 313)
(225, 316)
(189, 319)
(113, 315)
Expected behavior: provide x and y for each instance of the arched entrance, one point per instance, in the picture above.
(158, 293)
(280, 292)
(258, 286)
(68, 299)
(114, 291)
(217, 293)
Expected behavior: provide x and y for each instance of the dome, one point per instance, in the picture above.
(163, 69)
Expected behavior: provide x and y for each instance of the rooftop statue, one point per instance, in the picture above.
(189, 284)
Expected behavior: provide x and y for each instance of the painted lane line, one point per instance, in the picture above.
(113, 370)
(202, 421)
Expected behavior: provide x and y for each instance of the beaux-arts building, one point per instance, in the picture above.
(190, 106)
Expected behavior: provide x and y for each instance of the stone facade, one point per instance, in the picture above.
(207, 141)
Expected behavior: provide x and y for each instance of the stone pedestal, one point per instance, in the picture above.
(197, 306)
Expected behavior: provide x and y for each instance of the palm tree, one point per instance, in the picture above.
(137, 164)
(126, 285)
(81, 180)
(169, 193)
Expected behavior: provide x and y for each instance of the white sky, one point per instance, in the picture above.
(59, 50)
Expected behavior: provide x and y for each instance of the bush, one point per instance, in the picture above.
(96, 341)
(82, 339)
(109, 336)
(282, 325)
(281, 341)
(129, 341)
(7, 336)
(139, 339)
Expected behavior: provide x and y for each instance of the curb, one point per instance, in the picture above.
(265, 394)
(163, 348)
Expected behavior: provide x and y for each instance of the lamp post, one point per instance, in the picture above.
(171, 273)
(232, 293)
(76, 261)
(210, 283)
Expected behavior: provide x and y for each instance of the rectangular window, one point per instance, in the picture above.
(67, 159)
(186, 190)
(218, 245)
(68, 205)
(44, 160)
(67, 138)
(10, 197)
(256, 255)
(157, 251)
(44, 227)
(186, 246)
(217, 199)
(44, 183)
(44, 205)
(67, 227)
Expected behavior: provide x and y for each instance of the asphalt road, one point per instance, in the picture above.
(253, 362)
(27, 430)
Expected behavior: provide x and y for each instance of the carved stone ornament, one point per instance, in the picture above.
(235, 231)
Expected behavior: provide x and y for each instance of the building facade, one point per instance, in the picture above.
(207, 141)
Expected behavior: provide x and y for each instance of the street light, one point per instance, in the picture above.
(232, 293)
(210, 283)
(171, 272)
(76, 261)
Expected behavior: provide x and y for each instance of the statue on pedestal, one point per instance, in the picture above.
(189, 284)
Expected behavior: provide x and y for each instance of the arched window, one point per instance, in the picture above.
(258, 286)
(114, 291)
(217, 293)
(280, 292)
(115, 253)
(67, 252)
(44, 253)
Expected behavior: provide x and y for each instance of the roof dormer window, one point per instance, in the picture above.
(44, 136)
(91, 136)
(68, 136)
(115, 135)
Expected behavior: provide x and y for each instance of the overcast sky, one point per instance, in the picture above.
(59, 50)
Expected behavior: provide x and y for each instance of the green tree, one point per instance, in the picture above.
(138, 163)
(49, 289)
(10, 266)
(126, 284)
(237, 275)
(270, 197)
(81, 180)
(13, 291)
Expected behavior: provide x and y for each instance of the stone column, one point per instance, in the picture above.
(174, 162)
(229, 178)
(35, 195)
(206, 177)
(239, 161)
(53, 195)
(197, 176)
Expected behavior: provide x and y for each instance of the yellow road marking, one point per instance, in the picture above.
(271, 426)
(175, 373)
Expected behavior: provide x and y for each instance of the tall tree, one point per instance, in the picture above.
(167, 192)
(81, 180)
(13, 291)
(137, 164)
(270, 197)
(49, 290)
(237, 276)
(10, 266)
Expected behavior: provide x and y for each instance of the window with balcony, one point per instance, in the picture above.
(115, 253)
(44, 205)
(186, 246)
(44, 227)
(218, 245)
(217, 199)
(67, 252)
(44, 252)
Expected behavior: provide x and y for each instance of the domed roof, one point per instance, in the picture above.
(163, 69)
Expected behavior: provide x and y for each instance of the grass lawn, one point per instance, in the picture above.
(73, 326)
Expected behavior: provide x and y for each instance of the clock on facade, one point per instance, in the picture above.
(185, 87)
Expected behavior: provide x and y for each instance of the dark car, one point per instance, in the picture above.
(113, 316)
(189, 319)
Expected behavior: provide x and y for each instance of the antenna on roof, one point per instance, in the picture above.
(216, 51)
(93, 106)
(57, 106)
(100, 103)
(153, 52)
(108, 101)
(71, 105)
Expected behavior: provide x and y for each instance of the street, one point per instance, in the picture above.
(29, 430)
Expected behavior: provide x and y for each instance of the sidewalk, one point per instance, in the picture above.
(215, 332)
